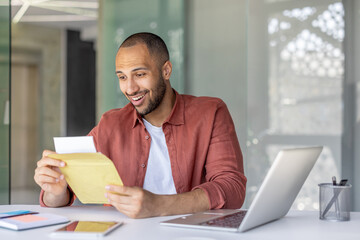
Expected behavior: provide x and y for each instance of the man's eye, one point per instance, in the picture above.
(140, 74)
(122, 77)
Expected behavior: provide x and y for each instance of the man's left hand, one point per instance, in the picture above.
(134, 202)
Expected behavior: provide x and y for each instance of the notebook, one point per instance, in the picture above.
(273, 200)
(30, 221)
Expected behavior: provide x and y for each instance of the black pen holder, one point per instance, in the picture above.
(334, 202)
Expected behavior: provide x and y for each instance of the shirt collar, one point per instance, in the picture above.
(176, 116)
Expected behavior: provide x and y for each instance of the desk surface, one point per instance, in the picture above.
(296, 225)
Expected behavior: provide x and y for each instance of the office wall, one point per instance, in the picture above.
(351, 96)
(216, 55)
(356, 61)
(4, 102)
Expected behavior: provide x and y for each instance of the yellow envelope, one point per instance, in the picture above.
(88, 174)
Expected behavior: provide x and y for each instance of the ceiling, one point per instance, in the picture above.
(67, 14)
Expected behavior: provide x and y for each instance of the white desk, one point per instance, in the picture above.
(296, 225)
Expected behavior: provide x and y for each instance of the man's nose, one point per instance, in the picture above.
(132, 86)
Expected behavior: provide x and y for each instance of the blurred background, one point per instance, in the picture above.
(287, 70)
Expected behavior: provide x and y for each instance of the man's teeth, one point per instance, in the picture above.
(138, 98)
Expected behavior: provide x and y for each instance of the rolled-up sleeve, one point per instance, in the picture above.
(225, 180)
(71, 201)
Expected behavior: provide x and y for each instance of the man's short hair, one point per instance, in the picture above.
(155, 45)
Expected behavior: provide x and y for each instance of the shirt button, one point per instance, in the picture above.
(143, 165)
(146, 137)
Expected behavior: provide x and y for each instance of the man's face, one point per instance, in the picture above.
(140, 78)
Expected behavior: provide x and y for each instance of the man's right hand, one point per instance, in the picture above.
(49, 178)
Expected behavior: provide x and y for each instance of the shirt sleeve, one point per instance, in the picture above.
(225, 183)
(71, 201)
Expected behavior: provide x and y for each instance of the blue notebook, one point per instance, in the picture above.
(16, 213)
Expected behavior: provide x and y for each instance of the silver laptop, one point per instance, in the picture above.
(273, 200)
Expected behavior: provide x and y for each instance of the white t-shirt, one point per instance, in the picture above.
(158, 177)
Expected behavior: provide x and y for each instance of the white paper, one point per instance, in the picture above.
(74, 144)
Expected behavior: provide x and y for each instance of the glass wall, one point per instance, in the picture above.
(39, 75)
(278, 65)
(36, 79)
(296, 71)
(120, 19)
(280, 68)
(4, 100)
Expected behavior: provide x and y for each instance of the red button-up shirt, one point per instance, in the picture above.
(203, 148)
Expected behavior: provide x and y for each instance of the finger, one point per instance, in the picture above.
(47, 152)
(118, 199)
(52, 172)
(49, 172)
(43, 179)
(47, 179)
(45, 161)
(124, 190)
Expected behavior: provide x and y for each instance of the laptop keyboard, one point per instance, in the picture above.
(229, 221)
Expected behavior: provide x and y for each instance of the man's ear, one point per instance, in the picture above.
(166, 70)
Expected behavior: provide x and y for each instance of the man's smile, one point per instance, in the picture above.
(138, 98)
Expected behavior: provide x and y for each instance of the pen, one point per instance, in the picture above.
(336, 201)
(334, 198)
(334, 180)
(343, 182)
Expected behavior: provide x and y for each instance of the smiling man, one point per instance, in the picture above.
(175, 153)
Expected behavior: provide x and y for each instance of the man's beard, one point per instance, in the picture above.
(159, 93)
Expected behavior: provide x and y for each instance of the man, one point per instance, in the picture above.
(175, 153)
